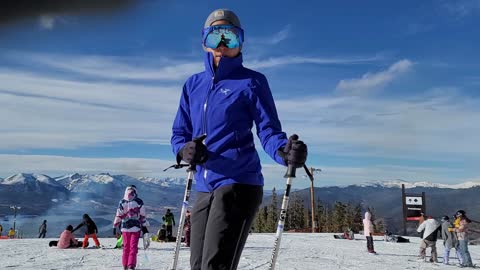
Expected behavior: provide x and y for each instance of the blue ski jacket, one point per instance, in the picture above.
(224, 104)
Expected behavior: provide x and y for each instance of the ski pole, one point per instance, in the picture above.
(283, 214)
(191, 171)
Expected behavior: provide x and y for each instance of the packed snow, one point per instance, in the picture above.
(298, 251)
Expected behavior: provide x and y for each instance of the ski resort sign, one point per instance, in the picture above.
(413, 205)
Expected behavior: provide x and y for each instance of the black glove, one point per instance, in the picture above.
(193, 152)
(295, 152)
(144, 230)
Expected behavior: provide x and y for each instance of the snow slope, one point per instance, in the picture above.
(298, 251)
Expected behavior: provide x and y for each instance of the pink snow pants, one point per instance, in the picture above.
(130, 249)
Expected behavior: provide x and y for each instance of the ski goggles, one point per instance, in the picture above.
(228, 35)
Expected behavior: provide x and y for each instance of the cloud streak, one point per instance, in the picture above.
(373, 81)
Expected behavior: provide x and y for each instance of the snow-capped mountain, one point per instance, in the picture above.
(29, 179)
(96, 182)
(398, 184)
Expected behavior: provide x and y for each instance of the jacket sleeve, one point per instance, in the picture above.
(78, 226)
(421, 227)
(182, 125)
(269, 129)
(119, 215)
(143, 216)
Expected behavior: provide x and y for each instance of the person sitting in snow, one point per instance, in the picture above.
(162, 234)
(91, 231)
(67, 240)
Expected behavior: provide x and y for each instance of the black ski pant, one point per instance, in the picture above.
(42, 234)
(220, 223)
(370, 243)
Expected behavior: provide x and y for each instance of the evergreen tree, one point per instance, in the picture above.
(273, 212)
(339, 217)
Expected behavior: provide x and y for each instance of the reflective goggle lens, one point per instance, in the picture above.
(228, 35)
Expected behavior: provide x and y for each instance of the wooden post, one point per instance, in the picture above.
(312, 200)
(404, 206)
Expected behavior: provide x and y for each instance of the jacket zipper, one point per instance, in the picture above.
(205, 171)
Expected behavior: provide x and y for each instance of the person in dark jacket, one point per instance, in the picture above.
(169, 221)
(213, 130)
(90, 232)
(430, 228)
(42, 230)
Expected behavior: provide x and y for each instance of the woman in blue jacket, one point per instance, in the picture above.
(222, 103)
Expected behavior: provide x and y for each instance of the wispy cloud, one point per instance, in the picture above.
(46, 22)
(293, 60)
(119, 68)
(272, 39)
(461, 8)
(372, 81)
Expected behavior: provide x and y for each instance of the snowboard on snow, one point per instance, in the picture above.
(146, 240)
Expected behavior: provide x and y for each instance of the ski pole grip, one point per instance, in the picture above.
(291, 170)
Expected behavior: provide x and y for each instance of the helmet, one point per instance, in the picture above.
(460, 213)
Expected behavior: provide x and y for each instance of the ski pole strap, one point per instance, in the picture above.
(308, 172)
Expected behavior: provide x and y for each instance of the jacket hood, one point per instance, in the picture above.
(130, 193)
(368, 215)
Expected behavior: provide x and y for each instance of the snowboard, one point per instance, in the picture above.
(146, 240)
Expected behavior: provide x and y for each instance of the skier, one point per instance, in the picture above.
(430, 228)
(462, 235)
(222, 103)
(1, 230)
(42, 230)
(449, 240)
(368, 230)
(169, 221)
(132, 220)
(90, 232)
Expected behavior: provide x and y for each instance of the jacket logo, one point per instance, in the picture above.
(225, 91)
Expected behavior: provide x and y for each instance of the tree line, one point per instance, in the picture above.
(330, 218)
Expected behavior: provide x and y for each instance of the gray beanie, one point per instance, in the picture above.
(222, 14)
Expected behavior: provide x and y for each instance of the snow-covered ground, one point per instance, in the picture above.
(298, 251)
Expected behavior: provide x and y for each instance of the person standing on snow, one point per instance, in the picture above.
(132, 220)
(90, 232)
(462, 235)
(42, 230)
(169, 221)
(222, 103)
(449, 240)
(11, 233)
(368, 230)
(1, 229)
(430, 228)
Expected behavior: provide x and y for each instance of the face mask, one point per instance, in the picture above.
(228, 35)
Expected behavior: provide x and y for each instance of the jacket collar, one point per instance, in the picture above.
(225, 67)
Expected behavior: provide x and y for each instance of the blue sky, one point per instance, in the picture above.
(377, 90)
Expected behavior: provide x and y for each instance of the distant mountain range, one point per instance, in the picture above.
(64, 199)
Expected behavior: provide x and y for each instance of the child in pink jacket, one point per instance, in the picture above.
(132, 221)
(67, 240)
